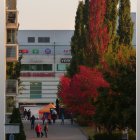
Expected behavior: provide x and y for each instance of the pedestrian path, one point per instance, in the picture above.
(56, 131)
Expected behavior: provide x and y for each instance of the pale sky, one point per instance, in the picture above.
(50, 14)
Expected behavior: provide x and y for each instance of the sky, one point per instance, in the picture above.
(50, 14)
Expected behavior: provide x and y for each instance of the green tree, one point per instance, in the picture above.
(125, 28)
(15, 118)
(111, 17)
(116, 108)
(79, 39)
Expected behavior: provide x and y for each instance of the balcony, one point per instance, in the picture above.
(11, 19)
(11, 87)
(11, 4)
(11, 53)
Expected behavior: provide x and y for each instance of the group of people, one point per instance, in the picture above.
(42, 130)
(39, 131)
(27, 114)
(38, 127)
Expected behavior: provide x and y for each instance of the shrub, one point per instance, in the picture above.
(105, 136)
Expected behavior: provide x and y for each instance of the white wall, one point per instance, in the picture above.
(2, 69)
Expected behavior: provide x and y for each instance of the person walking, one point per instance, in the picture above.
(46, 130)
(54, 115)
(29, 114)
(49, 118)
(43, 119)
(25, 114)
(62, 118)
(38, 130)
(32, 122)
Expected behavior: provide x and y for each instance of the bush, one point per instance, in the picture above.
(105, 136)
(132, 135)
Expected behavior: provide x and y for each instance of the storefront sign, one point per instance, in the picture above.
(65, 60)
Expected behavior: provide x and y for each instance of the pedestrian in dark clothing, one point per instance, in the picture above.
(32, 122)
(54, 116)
(43, 119)
(46, 130)
(29, 114)
(25, 114)
(62, 118)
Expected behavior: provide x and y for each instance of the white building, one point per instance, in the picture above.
(9, 53)
(46, 54)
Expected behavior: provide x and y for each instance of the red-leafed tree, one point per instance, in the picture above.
(79, 93)
(99, 36)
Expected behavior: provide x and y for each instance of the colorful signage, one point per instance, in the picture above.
(67, 52)
(23, 51)
(47, 51)
(35, 51)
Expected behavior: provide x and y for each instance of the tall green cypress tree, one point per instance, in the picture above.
(77, 42)
(125, 28)
(111, 20)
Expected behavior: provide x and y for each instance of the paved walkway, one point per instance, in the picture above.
(56, 131)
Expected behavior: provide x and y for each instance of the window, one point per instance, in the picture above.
(47, 67)
(35, 90)
(61, 67)
(25, 67)
(36, 67)
(43, 39)
(31, 39)
(11, 52)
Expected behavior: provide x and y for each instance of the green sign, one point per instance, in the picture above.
(35, 51)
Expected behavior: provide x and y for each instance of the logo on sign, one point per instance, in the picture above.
(65, 60)
(67, 52)
(47, 51)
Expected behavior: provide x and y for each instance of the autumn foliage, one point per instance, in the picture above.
(99, 35)
(79, 92)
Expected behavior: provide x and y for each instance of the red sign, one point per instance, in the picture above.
(23, 51)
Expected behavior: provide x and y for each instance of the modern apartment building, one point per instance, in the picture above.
(9, 53)
(46, 54)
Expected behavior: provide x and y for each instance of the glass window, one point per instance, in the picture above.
(32, 67)
(31, 39)
(35, 89)
(11, 51)
(47, 67)
(25, 67)
(43, 39)
(36, 67)
(39, 68)
(61, 67)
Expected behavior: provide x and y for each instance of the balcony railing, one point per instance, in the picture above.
(11, 53)
(11, 87)
(11, 4)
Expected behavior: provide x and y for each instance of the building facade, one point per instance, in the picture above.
(46, 55)
(9, 53)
